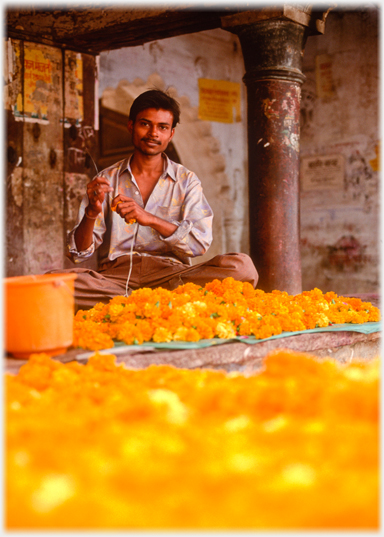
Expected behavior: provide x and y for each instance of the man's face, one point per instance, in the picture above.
(152, 131)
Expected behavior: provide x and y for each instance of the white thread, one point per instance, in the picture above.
(130, 258)
(99, 174)
(130, 253)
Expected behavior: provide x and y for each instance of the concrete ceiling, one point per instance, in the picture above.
(98, 27)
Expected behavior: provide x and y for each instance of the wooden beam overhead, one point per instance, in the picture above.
(97, 27)
(94, 30)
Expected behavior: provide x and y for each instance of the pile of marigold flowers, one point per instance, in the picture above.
(222, 309)
(99, 446)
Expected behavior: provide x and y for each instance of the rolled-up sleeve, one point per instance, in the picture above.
(99, 229)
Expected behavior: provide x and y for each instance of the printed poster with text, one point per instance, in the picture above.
(322, 172)
(37, 83)
(219, 100)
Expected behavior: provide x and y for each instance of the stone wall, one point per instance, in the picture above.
(46, 168)
(340, 200)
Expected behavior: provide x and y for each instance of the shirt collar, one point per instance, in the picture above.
(167, 170)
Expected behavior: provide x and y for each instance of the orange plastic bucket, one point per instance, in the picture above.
(39, 313)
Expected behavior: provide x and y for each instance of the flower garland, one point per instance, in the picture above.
(222, 309)
(103, 447)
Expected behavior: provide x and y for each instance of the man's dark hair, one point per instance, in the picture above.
(155, 99)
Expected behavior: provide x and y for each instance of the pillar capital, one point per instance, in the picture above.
(312, 19)
(272, 49)
(273, 40)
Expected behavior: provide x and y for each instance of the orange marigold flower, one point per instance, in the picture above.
(88, 335)
(220, 309)
(299, 429)
(225, 330)
(162, 335)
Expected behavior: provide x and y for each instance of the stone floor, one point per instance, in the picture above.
(237, 356)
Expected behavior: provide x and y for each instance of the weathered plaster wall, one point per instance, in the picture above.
(215, 151)
(340, 117)
(46, 169)
(35, 158)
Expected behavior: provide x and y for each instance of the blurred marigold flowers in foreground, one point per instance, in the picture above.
(99, 446)
(222, 309)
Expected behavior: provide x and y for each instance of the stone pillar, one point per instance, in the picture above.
(272, 51)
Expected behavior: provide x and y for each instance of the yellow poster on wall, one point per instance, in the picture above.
(219, 100)
(324, 81)
(37, 83)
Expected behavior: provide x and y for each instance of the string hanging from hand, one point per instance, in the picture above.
(130, 257)
(133, 238)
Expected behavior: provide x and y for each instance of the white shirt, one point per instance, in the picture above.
(177, 197)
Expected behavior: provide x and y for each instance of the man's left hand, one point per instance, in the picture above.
(128, 209)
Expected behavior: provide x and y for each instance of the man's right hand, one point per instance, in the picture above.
(96, 191)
